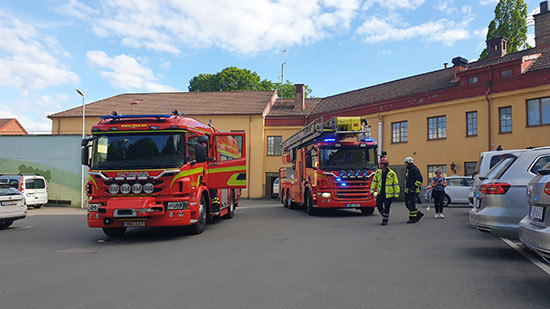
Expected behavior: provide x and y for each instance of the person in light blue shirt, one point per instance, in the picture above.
(438, 192)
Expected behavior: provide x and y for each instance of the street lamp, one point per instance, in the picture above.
(83, 132)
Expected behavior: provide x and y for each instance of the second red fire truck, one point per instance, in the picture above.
(332, 166)
(161, 170)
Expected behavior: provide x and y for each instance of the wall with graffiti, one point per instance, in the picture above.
(56, 157)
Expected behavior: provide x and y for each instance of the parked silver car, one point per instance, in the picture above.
(12, 206)
(534, 229)
(500, 201)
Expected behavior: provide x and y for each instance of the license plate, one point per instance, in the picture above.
(536, 213)
(133, 223)
(353, 205)
(8, 203)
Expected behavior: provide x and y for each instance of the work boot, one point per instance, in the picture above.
(384, 222)
(419, 216)
(411, 220)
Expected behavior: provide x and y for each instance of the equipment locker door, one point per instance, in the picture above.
(228, 166)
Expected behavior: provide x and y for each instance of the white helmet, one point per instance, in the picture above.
(409, 160)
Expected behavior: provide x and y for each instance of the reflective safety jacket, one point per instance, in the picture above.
(413, 179)
(392, 184)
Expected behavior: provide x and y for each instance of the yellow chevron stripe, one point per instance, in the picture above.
(92, 179)
(195, 171)
(240, 168)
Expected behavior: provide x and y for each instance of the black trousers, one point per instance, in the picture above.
(410, 201)
(438, 196)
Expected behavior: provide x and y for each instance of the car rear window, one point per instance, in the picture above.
(539, 164)
(8, 191)
(501, 167)
(494, 160)
(35, 184)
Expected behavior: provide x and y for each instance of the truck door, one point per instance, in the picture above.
(228, 166)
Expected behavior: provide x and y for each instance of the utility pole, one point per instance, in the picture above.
(282, 74)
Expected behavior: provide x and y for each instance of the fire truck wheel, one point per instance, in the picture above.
(309, 204)
(231, 210)
(367, 210)
(289, 203)
(283, 199)
(114, 231)
(198, 227)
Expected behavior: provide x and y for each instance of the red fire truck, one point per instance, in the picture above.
(161, 170)
(333, 163)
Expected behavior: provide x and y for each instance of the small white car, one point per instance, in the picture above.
(33, 187)
(276, 188)
(12, 206)
(456, 192)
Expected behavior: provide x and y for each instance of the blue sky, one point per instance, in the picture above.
(48, 48)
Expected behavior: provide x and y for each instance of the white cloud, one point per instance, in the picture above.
(375, 30)
(76, 9)
(394, 4)
(249, 27)
(488, 2)
(28, 58)
(126, 72)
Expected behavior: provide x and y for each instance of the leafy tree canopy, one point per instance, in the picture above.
(235, 79)
(511, 22)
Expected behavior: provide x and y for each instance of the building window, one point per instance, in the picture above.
(472, 80)
(538, 112)
(400, 131)
(274, 145)
(469, 168)
(437, 127)
(506, 73)
(433, 168)
(471, 123)
(505, 116)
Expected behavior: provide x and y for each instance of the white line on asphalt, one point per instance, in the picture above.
(519, 249)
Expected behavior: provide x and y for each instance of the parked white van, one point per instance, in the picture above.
(33, 187)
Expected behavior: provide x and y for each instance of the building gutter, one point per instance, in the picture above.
(489, 133)
(380, 126)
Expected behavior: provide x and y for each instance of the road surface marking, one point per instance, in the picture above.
(535, 261)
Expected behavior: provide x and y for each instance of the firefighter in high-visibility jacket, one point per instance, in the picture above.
(384, 187)
(413, 181)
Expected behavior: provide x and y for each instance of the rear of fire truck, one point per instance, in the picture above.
(161, 170)
(332, 165)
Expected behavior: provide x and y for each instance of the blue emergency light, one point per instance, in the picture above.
(369, 139)
(329, 140)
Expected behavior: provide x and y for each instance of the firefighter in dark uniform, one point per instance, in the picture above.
(413, 181)
(384, 187)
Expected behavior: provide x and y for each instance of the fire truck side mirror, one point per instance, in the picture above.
(85, 153)
(202, 149)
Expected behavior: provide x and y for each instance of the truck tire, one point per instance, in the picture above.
(283, 198)
(309, 204)
(199, 226)
(289, 203)
(114, 231)
(367, 211)
(231, 210)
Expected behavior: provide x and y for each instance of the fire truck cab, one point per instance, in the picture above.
(161, 170)
(332, 165)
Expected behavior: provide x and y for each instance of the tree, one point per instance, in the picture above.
(235, 79)
(511, 22)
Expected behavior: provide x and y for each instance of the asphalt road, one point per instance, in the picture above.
(267, 256)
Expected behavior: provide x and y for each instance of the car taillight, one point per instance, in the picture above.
(547, 188)
(494, 188)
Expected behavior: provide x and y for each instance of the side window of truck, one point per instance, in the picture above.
(191, 142)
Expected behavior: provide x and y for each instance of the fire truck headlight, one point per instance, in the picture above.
(365, 173)
(137, 188)
(93, 207)
(177, 205)
(342, 173)
(350, 173)
(114, 189)
(358, 173)
(125, 188)
(148, 188)
(325, 194)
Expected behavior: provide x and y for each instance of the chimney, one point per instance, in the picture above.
(542, 25)
(497, 47)
(459, 64)
(299, 97)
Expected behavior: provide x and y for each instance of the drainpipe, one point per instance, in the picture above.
(489, 84)
(380, 123)
(248, 155)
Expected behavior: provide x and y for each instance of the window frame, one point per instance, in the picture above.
(431, 168)
(403, 138)
(273, 151)
(500, 120)
(437, 125)
(468, 124)
(540, 112)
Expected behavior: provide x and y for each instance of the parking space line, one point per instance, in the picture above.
(535, 261)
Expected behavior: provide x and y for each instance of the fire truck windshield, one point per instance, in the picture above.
(348, 157)
(131, 151)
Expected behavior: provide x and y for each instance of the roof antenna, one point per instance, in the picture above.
(282, 74)
(174, 112)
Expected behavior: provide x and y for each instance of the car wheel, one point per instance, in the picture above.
(5, 224)
(446, 200)
(37, 206)
(367, 210)
(199, 226)
(114, 231)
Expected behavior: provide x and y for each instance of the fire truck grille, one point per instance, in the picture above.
(353, 191)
